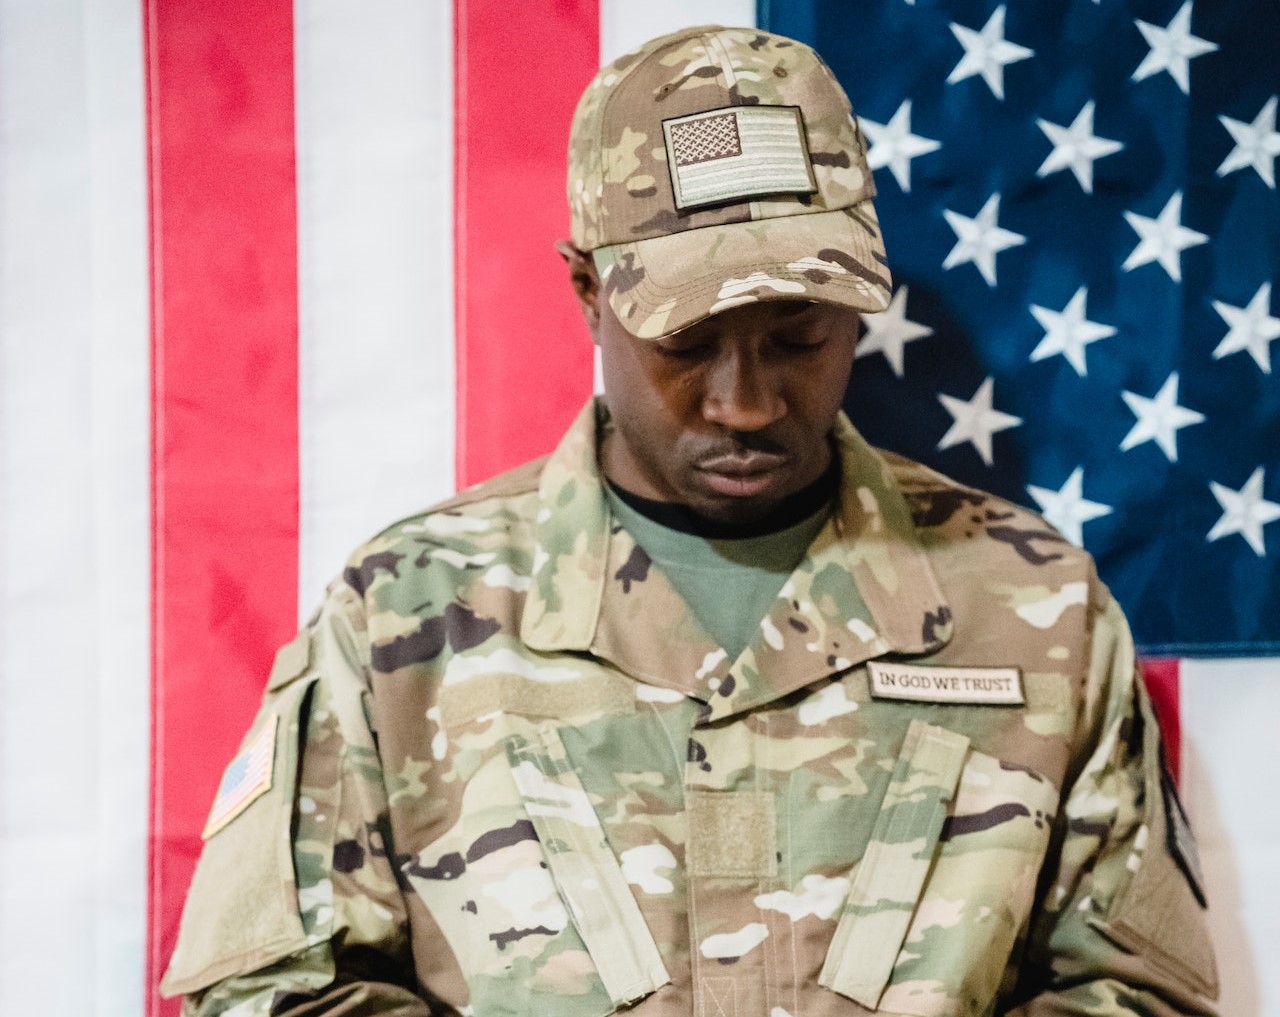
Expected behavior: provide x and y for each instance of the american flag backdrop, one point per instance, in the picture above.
(273, 273)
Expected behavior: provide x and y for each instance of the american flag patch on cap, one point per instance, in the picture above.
(247, 778)
(737, 152)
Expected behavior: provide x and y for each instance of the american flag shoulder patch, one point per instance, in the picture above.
(246, 779)
(737, 152)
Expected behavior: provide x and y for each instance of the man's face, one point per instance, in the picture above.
(730, 415)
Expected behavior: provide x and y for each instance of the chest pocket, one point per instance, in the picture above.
(946, 883)
(528, 893)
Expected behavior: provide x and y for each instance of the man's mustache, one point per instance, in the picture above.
(742, 444)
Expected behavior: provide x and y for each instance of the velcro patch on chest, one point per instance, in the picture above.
(735, 153)
(732, 834)
(247, 778)
(974, 686)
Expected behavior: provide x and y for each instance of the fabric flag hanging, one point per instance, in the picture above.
(1079, 206)
(288, 183)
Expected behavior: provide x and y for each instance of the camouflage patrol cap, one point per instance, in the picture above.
(717, 166)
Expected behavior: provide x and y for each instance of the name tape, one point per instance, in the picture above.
(983, 686)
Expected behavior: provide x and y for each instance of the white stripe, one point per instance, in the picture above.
(708, 174)
(1230, 711)
(774, 135)
(789, 144)
(790, 156)
(74, 527)
(625, 24)
(375, 272)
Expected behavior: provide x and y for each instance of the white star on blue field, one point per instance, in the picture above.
(1080, 211)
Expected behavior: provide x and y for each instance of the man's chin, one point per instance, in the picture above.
(735, 510)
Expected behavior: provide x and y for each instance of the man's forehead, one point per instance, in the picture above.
(761, 314)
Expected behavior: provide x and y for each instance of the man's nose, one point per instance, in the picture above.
(741, 392)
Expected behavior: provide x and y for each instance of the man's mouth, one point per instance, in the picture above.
(742, 474)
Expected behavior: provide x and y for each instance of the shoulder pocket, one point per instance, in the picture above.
(242, 909)
(291, 661)
(1158, 912)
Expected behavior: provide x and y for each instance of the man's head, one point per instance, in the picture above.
(724, 242)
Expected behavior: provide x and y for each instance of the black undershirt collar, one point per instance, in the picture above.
(793, 509)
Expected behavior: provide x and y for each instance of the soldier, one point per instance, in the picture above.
(716, 710)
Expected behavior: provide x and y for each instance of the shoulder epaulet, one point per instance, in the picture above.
(520, 480)
(935, 498)
(912, 475)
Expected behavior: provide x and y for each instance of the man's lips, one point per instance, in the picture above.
(742, 474)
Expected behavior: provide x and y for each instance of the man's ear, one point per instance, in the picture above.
(585, 281)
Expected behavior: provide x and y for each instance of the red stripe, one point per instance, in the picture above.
(524, 356)
(1162, 682)
(225, 431)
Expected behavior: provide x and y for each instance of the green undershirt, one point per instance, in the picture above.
(729, 584)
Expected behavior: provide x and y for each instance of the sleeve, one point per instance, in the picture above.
(295, 908)
(1121, 929)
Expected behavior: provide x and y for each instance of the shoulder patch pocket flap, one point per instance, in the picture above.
(888, 881)
(241, 912)
(1157, 913)
(291, 660)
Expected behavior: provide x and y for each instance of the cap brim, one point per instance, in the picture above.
(663, 284)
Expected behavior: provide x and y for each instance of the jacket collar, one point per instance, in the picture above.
(863, 589)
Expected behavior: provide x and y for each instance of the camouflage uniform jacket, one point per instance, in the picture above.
(513, 775)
